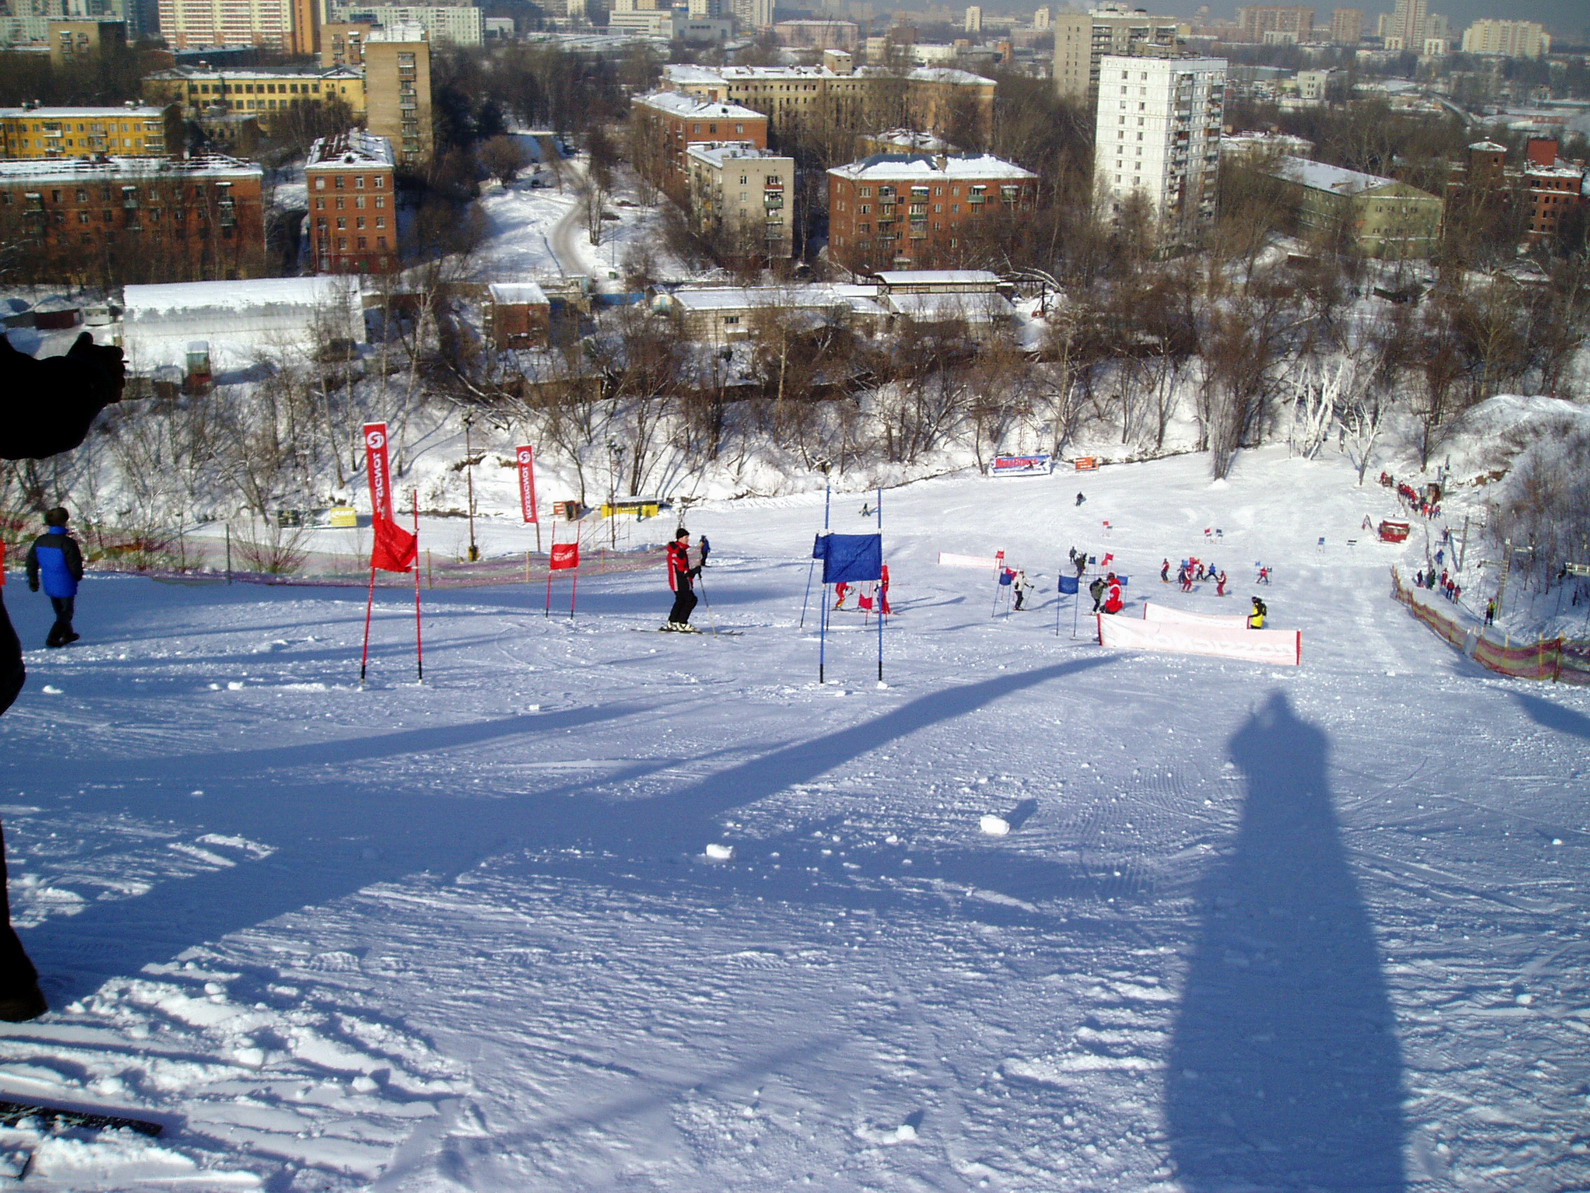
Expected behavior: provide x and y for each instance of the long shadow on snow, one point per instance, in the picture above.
(328, 845)
(1285, 1071)
(1554, 716)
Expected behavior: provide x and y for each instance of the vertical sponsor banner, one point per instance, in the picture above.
(379, 466)
(527, 481)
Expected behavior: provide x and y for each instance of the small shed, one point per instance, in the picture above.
(1394, 532)
(519, 315)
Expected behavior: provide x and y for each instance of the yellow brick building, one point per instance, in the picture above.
(265, 92)
(34, 132)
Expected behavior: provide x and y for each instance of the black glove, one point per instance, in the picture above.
(106, 360)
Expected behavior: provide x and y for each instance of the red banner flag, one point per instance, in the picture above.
(564, 555)
(395, 549)
(527, 481)
(380, 469)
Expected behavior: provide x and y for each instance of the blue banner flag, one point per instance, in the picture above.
(1068, 584)
(850, 558)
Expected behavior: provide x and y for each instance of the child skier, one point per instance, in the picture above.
(1257, 615)
(1022, 586)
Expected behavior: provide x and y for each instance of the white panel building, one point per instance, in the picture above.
(1158, 133)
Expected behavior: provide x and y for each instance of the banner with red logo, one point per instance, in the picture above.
(527, 481)
(564, 555)
(395, 549)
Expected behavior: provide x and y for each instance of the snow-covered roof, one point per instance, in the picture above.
(677, 103)
(175, 297)
(352, 148)
(929, 74)
(524, 294)
(717, 152)
(144, 110)
(940, 307)
(1322, 177)
(908, 166)
(81, 169)
(1488, 147)
(937, 277)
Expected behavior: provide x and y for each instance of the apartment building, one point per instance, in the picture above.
(454, 24)
(1383, 217)
(1157, 134)
(818, 35)
(1556, 189)
(266, 92)
(1082, 39)
(934, 98)
(127, 131)
(911, 211)
(1510, 39)
(743, 198)
(116, 219)
(669, 122)
(397, 77)
(286, 25)
(1347, 26)
(1256, 22)
(352, 191)
(83, 41)
(342, 42)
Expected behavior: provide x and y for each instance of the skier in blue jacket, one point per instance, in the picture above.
(56, 560)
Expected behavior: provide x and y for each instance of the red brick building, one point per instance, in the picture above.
(667, 123)
(352, 204)
(119, 220)
(911, 211)
(1556, 189)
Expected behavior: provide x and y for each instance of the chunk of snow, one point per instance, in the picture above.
(720, 852)
(995, 826)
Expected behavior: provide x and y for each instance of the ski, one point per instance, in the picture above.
(12, 1113)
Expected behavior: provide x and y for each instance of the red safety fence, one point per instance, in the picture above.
(1561, 660)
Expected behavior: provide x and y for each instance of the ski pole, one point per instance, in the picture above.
(711, 616)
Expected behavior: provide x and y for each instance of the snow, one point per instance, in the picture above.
(592, 910)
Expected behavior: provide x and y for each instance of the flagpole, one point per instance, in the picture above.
(880, 584)
(369, 610)
(828, 493)
(419, 633)
(547, 612)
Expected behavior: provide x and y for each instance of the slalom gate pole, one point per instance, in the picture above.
(419, 632)
(1076, 606)
(822, 635)
(547, 612)
(1057, 616)
(574, 594)
(880, 586)
(369, 610)
(811, 566)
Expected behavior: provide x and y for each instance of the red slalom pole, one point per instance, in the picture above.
(369, 609)
(419, 634)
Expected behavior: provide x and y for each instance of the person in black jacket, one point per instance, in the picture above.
(56, 558)
(46, 408)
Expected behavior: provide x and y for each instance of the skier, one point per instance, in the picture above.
(1114, 604)
(1220, 585)
(703, 549)
(1186, 578)
(681, 578)
(1490, 611)
(841, 591)
(1164, 571)
(1264, 576)
(56, 558)
(883, 593)
(1080, 498)
(1096, 591)
(1082, 564)
(1022, 586)
(1257, 615)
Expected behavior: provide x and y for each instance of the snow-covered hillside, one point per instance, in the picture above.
(1250, 929)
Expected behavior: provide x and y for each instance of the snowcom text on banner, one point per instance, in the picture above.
(526, 456)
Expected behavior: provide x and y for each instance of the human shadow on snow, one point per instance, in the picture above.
(1554, 716)
(1285, 1070)
(342, 814)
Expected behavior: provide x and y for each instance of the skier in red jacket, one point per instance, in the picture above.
(681, 578)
